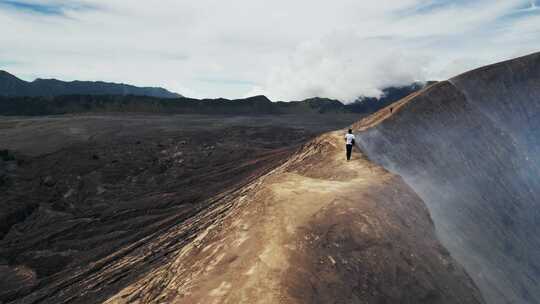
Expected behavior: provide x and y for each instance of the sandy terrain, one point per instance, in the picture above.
(317, 229)
(80, 193)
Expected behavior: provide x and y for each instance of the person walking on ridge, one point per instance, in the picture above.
(349, 143)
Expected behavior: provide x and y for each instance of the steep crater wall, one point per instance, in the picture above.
(470, 148)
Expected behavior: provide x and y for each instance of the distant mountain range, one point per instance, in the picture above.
(257, 105)
(11, 86)
(53, 97)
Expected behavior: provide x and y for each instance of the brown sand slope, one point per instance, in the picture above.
(88, 203)
(317, 229)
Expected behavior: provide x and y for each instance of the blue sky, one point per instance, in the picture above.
(285, 49)
(51, 8)
(29, 7)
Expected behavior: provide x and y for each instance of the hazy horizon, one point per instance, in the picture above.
(284, 50)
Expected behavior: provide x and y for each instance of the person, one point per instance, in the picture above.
(349, 143)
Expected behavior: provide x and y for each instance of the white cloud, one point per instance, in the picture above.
(285, 49)
(344, 65)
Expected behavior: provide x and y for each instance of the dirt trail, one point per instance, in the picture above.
(385, 113)
(318, 229)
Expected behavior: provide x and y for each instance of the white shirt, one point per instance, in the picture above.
(349, 138)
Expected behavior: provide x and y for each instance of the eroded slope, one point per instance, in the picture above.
(470, 148)
(86, 202)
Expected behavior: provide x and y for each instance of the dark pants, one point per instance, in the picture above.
(349, 151)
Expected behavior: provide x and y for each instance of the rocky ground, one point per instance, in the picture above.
(81, 193)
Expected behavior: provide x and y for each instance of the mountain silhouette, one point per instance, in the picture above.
(11, 86)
